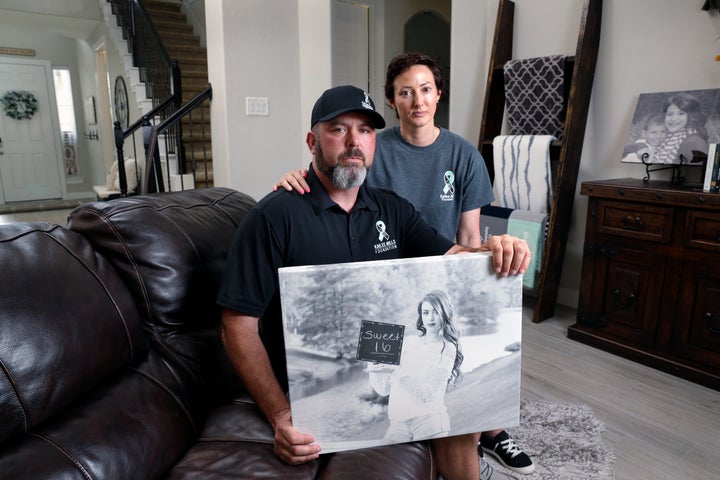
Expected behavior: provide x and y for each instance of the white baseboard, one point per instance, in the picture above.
(78, 195)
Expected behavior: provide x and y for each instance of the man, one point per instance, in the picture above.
(340, 221)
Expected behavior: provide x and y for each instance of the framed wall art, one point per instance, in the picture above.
(672, 128)
(90, 115)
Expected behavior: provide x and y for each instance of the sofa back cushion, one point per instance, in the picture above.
(171, 250)
(67, 323)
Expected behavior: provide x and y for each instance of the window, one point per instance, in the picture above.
(66, 115)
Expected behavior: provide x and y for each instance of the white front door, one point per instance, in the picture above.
(29, 151)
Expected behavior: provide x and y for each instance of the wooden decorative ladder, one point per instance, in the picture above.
(565, 153)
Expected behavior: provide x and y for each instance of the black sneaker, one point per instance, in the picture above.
(505, 451)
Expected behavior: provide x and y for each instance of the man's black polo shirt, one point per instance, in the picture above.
(286, 229)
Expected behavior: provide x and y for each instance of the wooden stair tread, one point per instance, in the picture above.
(160, 5)
(180, 29)
(179, 39)
(160, 23)
(194, 62)
(179, 50)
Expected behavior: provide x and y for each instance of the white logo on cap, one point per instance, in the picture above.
(366, 103)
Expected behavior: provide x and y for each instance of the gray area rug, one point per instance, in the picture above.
(564, 440)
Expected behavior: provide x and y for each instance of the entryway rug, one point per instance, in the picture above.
(564, 440)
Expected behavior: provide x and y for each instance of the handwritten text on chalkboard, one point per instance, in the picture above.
(380, 342)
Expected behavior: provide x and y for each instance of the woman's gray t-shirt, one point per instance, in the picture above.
(441, 180)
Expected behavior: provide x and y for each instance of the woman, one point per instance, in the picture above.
(445, 178)
(429, 365)
(685, 124)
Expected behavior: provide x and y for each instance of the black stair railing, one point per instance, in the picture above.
(139, 127)
(192, 118)
(162, 79)
(159, 72)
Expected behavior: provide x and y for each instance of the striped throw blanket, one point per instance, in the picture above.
(522, 172)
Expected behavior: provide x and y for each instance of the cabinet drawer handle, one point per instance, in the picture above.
(630, 223)
(630, 299)
(711, 320)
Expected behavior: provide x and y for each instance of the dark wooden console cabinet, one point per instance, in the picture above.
(650, 286)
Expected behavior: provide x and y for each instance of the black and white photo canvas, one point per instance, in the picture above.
(394, 351)
(668, 127)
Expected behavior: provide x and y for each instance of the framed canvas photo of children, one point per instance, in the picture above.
(668, 127)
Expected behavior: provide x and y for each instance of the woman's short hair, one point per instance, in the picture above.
(402, 62)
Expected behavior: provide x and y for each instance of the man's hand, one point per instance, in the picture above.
(294, 179)
(511, 255)
(292, 446)
(250, 360)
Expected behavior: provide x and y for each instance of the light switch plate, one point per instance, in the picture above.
(256, 106)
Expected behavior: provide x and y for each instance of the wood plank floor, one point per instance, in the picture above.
(659, 426)
(50, 216)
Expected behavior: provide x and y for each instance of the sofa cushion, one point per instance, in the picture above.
(67, 323)
(237, 442)
(171, 250)
(131, 427)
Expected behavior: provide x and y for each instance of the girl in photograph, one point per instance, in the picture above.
(685, 124)
(429, 365)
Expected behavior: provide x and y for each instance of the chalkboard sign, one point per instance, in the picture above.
(380, 342)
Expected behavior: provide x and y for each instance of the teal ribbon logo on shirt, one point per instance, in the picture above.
(449, 187)
(448, 191)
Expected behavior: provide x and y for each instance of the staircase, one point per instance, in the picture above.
(184, 47)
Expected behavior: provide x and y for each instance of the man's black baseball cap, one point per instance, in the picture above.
(346, 98)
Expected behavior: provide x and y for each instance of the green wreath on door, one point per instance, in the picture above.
(19, 105)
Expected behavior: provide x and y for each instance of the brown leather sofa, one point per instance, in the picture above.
(111, 364)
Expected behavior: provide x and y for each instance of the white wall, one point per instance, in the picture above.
(195, 12)
(470, 54)
(267, 49)
(73, 10)
(253, 51)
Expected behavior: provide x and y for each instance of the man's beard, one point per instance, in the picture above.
(342, 176)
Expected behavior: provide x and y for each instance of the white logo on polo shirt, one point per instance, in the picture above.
(386, 243)
(448, 191)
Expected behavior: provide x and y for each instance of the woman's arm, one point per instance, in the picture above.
(468, 233)
(294, 179)
(379, 377)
